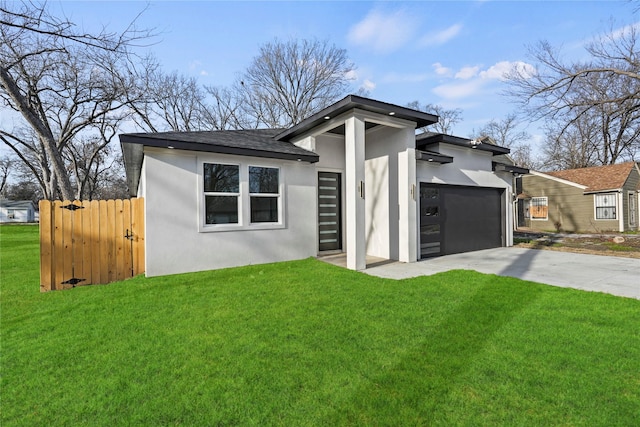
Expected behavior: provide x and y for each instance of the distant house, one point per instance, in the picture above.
(17, 211)
(596, 199)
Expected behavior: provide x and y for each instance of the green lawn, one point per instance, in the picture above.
(306, 343)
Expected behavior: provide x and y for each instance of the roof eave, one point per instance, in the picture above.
(351, 102)
(461, 142)
(502, 167)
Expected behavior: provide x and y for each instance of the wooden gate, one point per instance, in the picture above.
(90, 242)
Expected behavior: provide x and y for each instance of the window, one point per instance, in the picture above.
(606, 206)
(11, 214)
(264, 192)
(539, 208)
(221, 193)
(240, 197)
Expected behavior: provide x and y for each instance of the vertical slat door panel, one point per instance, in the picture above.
(46, 246)
(95, 242)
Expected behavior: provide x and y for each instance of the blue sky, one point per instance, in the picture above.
(449, 53)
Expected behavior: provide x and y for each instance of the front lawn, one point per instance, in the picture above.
(306, 344)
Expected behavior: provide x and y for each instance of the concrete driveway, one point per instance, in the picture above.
(612, 275)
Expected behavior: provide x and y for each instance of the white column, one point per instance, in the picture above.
(407, 200)
(354, 197)
(620, 211)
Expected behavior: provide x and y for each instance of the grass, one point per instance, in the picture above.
(309, 344)
(618, 247)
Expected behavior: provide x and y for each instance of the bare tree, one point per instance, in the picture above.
(62, 83)
(507, 133)
(605, 89)
(226, 111)
(447, 119)
(289, 81)
(6, 167)
(571, 147)
(167, 102)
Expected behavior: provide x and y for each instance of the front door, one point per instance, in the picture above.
(430, 219)
(329, 209)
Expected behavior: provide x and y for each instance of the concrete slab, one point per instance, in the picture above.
(612, 275)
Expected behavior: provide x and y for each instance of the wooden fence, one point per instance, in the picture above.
(90, 242)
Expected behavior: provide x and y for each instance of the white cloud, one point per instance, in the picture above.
(471, 81)
(441, 37)
(458, 90)
(499, 70)
(466, 73)
(351, 75)
(384, 32)
(441, 70)
(368, 85)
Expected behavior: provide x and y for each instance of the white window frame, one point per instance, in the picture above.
(614, 196)
(271, 195)
(244, 196)
(11, 214)
(531, 205)
(223, 194)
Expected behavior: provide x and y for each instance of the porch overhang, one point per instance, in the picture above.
(354, 102)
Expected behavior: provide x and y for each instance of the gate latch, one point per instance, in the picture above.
(128, 235)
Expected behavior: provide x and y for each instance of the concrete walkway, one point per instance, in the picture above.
(612, 275)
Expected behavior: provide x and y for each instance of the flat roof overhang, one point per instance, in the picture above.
(423, 141)
(430, 156)
(351, 102)
(502, 167)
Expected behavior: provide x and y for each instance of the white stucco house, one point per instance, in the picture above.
(17, 211)
(353, 178)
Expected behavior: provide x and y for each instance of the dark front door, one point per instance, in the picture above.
(459, 219)
(329, 209)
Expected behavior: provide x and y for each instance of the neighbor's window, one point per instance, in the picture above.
(11, 214)
(606, 206)
(221, 193)
(539, 208)
(264, 192)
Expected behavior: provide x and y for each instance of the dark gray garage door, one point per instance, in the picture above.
(459, 219)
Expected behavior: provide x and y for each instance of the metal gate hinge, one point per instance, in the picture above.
(72, 207)
(73, 281)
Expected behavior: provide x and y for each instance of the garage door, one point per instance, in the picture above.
(459, 219)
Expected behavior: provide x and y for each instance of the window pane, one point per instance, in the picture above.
(263, 180)
(221, 178)
(606, 206)
(264, 209)
(606, 213)
(539, 208)
(221, 209)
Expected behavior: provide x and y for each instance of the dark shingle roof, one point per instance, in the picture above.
(255, 142)
(598, 178)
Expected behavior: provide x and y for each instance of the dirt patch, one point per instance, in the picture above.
(620, 245)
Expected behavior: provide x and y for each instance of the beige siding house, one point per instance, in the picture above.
(596, 199)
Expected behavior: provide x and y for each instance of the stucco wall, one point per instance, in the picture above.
(175, 242)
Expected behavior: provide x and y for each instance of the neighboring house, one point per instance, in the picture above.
(17, 211)
(596, 199)
(353, 178)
